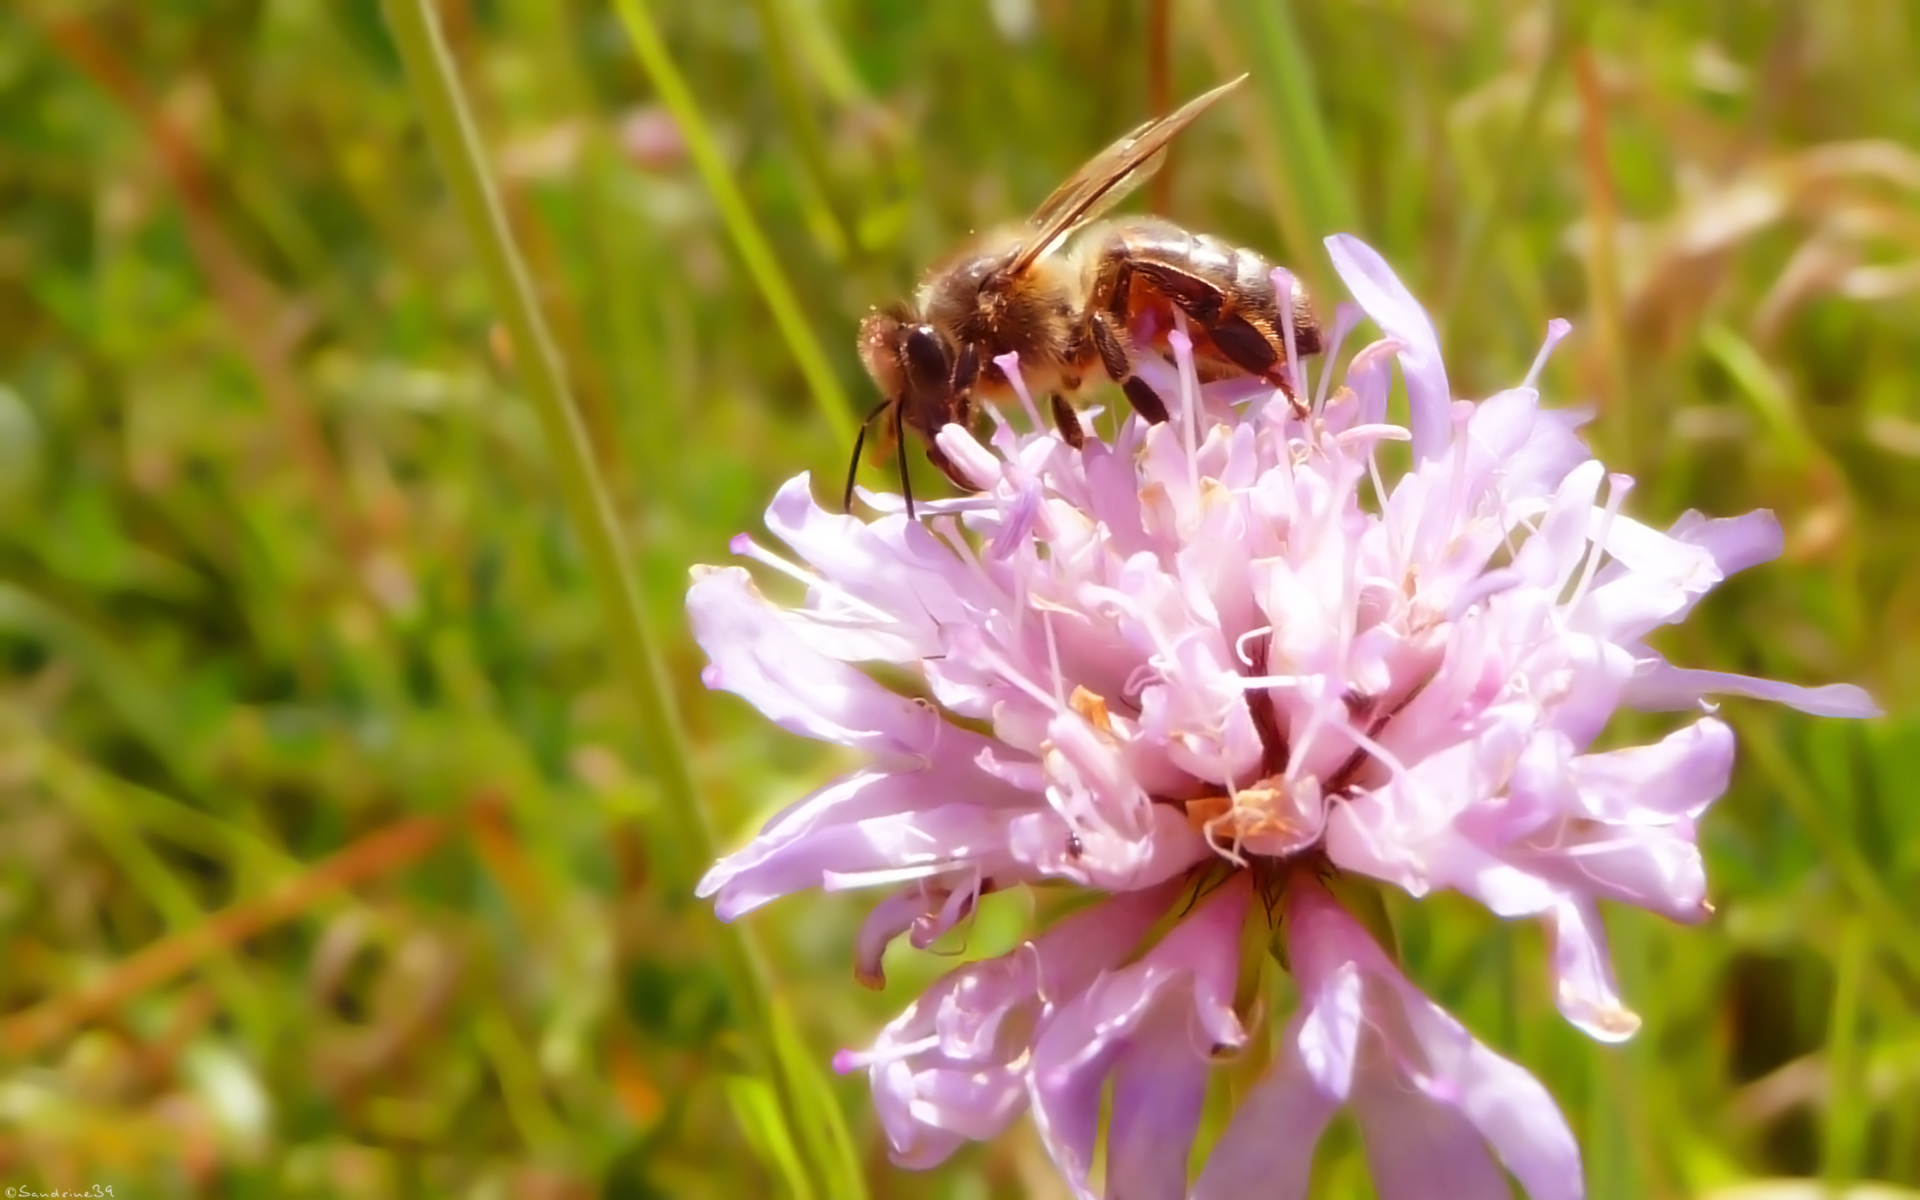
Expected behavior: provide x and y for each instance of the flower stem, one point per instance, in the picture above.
(450, 127)
(1847, 1111)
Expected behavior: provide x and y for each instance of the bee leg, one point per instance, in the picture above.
(1067, 421)
(966, 369)
(859, 440)
(1118, 363)
(900, 450)
(1257, 351)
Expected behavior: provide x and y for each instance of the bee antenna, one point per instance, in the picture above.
(853, 468)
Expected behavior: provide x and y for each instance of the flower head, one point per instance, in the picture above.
(1198, 667)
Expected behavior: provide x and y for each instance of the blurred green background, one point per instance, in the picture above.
(334, 858)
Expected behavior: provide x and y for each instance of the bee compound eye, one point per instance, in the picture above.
(926, 356)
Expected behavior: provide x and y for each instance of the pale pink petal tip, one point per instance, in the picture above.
(1393, 308)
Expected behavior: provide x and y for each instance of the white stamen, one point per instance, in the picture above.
(1303, 746)
(1000, 424)
(1233, 809)
(1182, 344)
(856, 1059)
(1250, 683)
(962, 904)
(1482, 587)
(1240, 643)
(1386, 757)
(1020, 605)
(1380, 498)
(1006, 671)
(1345, 316)
(1462, 415)
(844, 881)
(949, 530)
(1296, 372)
(1032, 952)
(1557, 329)
(1518, 522)
(1377, 433)
(1231, 852)
(1009, 363)
(1617, 488)
(746, 547)
(1138, 679)
(1053, 659)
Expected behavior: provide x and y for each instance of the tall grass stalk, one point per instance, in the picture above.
(451, 129)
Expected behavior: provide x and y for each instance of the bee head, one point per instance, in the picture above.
(881, 335)
(912, 365)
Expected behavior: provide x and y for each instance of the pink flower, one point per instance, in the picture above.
(1194, 667)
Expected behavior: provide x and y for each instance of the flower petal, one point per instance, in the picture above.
(947, 1069)
(1401, 317)
(1159, 1085)
(1735, 543)
(892, 585)
(889, 849)
(1659, 686)
(1511, 1109)
(760, 658)
(1267, 1149)
(1425, 1049)
(1190, 974)
(1680, 775)
(1413, 1143)
(1583, 975)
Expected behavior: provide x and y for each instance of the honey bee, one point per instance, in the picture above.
(1076, 297)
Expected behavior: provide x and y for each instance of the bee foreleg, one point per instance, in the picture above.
(1254, 352)
(966, 368)
(859, 440)
(1117, 360)
(900, 450)
(1067, 421)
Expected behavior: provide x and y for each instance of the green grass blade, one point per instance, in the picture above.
(1469, 258)
(819, 1121)
(91, 797)
(738, 217)
(1845, 1135)
(1285, 73)
(137, 699)
(451, 129)
(1895, 924)
(757, 1109)
(1764, 391)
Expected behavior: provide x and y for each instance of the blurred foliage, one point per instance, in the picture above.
(328, 863)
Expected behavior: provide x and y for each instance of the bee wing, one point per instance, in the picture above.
(1109, 177)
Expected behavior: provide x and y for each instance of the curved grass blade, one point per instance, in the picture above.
(739, 220)
(450, 127)
(821, 1126)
